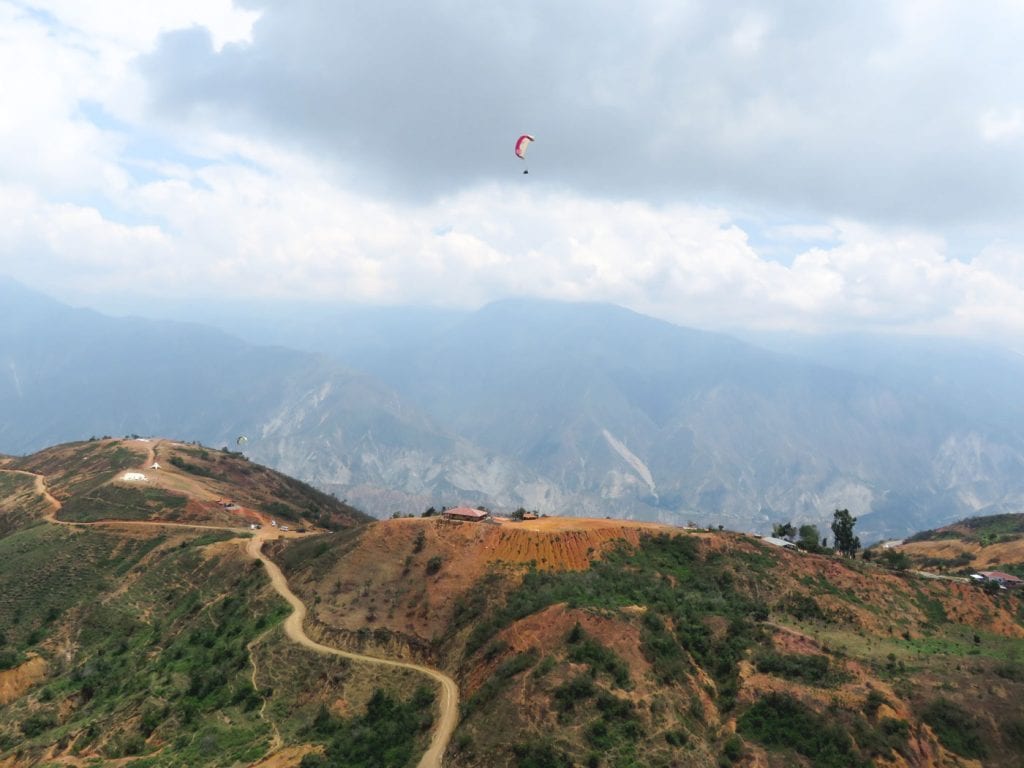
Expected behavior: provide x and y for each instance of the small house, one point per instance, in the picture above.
(466, 514)
(1007, 580)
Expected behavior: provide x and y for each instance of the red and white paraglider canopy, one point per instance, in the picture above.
(521, 144)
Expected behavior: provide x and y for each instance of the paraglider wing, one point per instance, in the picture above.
(521, 144)
(242, 440)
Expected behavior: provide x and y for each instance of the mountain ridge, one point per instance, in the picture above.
(576, 409)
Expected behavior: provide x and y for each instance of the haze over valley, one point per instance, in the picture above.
(569, 409)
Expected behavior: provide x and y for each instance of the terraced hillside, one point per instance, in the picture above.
(594, 643)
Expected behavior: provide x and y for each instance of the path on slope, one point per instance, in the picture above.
(293, 629)
(293, 625)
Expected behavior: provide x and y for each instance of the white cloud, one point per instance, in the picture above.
(279, 207)
(999, 125)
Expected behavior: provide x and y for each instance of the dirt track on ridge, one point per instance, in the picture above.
(293, 629)
(449, 703)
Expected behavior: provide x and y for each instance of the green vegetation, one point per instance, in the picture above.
(541, 755)
(802, 607)
(124, 503)
(956, 728)
(497, 682)
(783, 531)
(283, 511)
(842, 533)
(781, 722)
(987, 529)
(83, 467)
(810, 538)
(812, 670)
(20, 505)
(894, 559)
(163, 660)
(384, 737)
(584, 649)
(615, 730)
(890, 735)
(194, 469)
(47, 570)
(682, 589)
(932, 608)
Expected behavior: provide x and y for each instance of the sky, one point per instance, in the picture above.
(746, 165)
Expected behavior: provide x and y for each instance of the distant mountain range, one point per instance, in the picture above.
(581, 409)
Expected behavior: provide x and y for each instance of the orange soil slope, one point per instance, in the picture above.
(384, 581)
(14, 682)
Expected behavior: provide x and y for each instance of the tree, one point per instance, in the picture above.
(809, 536)
(783, 531)
(891, 558)
(842, 533)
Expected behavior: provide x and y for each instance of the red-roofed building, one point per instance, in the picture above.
(466, 513)
(1006, 579)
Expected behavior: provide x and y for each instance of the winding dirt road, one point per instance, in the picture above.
(293, 625)
(293, 629)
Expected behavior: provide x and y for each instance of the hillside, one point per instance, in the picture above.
(137, 629)
(992, 542)
(593, 642)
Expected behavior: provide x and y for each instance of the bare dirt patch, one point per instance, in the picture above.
(14, 682)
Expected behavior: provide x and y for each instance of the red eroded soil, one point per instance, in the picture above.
(548, 629)
(383, 581)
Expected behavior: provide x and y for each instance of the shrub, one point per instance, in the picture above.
(732, 750)
(782, 722)
(36, 723)
(1013, 733)
(9, 658)
(814, 670)
(434, 565)
(955, 727)
(569, 693)
(584, 649)
(802, 607)
(540, 755)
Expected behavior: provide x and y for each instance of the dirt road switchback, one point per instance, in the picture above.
(293, 629)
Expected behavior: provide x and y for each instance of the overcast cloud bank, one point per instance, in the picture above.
(773, 165)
